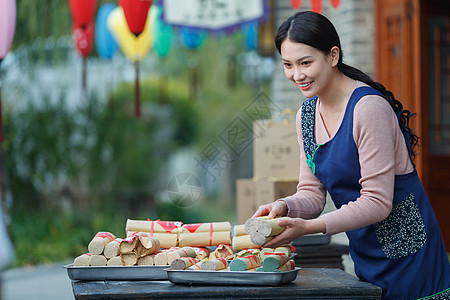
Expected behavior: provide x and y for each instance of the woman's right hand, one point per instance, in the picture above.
(272, 210)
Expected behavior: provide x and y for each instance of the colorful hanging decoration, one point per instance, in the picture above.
(163, 34)
(83, 38)
(82, 11)
(136, 12)
(192, 38)
(134, 45)
(335, 3)
(296, 4)
(7, 25)
(104, 41)
(8, 11)
(315, 5)
(251, 35)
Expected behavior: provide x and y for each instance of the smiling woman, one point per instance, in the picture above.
(356, 145)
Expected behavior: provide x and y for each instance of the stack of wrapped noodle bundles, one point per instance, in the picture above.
(263, 229)
(138, 249)
(241, 239)
(205, 234)
(165, 231)
(96, 248)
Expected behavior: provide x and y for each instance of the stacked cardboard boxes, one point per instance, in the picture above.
(276, 155)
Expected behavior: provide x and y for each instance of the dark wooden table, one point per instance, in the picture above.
(311, 283)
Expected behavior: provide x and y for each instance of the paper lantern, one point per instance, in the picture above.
(335, 3)
(136, 12)
(82, 11)
(163, 34)
(7, 25)
(105, 43)
(251, 35)
(296, 4)
(192, 38)
(84, 39)
(316, 6)
(134, 47)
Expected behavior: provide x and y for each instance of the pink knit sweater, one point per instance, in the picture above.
(382, 154)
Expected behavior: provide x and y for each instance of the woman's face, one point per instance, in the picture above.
(307, 67)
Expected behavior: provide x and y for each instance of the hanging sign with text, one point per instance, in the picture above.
(212, 15)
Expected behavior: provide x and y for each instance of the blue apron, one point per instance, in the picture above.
(403, 254)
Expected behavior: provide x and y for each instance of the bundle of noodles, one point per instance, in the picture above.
(146, 260)
(241, 239)
(147, 245)
(202, 252)
(287, 250)
(165, 231)
(283, 266)
(263, 229)
(160, 258)
(115, 261)
(112, 249)
(137, 249)
(244, 263)
(100, 240)
(247, 252)
(82, 260)
(222, 251)
(183, 252)
(183, 263)
(205, 234)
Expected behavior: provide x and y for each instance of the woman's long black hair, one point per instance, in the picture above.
(317, 31)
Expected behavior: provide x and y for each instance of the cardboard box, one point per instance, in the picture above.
(251, 193)
(246, 199)
(276, 152)
(270, 190)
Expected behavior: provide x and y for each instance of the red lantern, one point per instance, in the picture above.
(296, 4)
(316, 6)
(82, 11)
(335, 3)
(136, 12)
(83, 39)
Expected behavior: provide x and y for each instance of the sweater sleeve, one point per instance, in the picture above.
(380, 142)
(309, 200)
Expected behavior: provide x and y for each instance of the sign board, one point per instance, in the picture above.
(212, 14)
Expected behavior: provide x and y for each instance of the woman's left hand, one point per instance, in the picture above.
(295, 227)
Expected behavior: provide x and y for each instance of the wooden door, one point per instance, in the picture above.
(437, 127)
(397, 49)
(413, 61)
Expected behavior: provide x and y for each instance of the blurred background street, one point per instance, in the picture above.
(38, 282)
